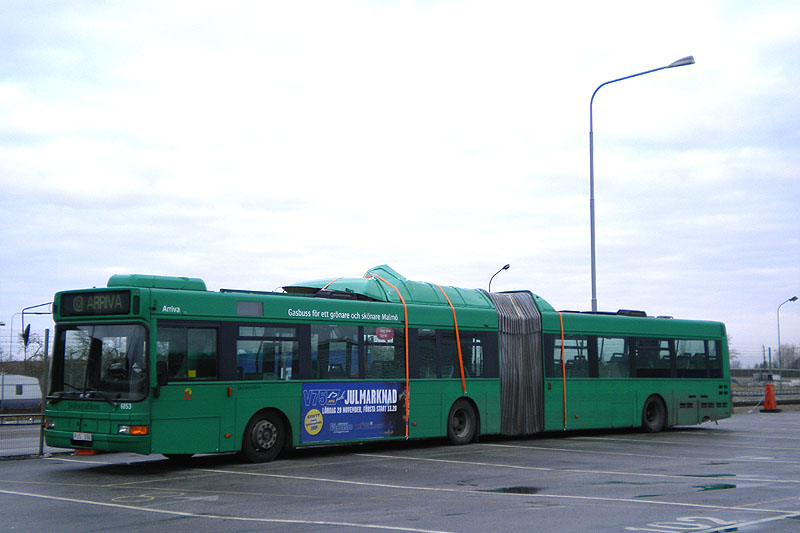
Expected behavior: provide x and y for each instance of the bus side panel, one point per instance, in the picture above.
(701, 400)
(591, 403)
(427, 407)
(490, 414)
(431, 401)
(285, 397)
(612, 403)
(193, 417)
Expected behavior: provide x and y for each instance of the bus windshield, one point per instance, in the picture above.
(100, 362)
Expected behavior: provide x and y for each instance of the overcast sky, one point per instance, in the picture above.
(259, 144)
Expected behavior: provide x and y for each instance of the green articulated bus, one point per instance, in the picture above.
(161, 365)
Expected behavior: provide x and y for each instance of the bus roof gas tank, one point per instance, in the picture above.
(157, 282)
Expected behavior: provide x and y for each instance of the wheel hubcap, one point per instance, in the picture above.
(264, 435)
(460, 424)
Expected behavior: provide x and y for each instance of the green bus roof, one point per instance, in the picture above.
(414, 292)
(156, 282)
(375, 286)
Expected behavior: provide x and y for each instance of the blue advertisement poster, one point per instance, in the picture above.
(352, 411)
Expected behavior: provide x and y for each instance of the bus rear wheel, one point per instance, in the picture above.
(654, 415)
(462, 424)
(263, 437)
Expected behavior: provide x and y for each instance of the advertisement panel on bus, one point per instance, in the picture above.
(348, 411)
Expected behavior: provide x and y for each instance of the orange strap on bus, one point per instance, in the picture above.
(405, 322)
(458, 342)
(330, 283)
(563, 369)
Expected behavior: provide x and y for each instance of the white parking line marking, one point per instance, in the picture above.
(222, 517)
(583, 451)
(89, 461)
(639, 501)
(582, 471)
(759, 446)
(752, 523)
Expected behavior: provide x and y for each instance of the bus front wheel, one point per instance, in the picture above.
(462, 424)
(263, 437)
(654, 415)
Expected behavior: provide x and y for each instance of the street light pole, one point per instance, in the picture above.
(11, 336)
(688, 60)
(505, 267)
(780, 360)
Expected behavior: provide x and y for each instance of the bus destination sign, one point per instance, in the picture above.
(96, 303)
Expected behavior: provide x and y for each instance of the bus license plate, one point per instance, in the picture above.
(86, 437)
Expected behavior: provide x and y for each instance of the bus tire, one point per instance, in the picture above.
(263, 437)
(462, 423)
(654, 415)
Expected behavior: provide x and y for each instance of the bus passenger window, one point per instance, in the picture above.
(576, 355)
(190, 353)
(426, 352)
(653, 358)
(384, 351)
(472, 354)
(552, 359)
(714, 359)
(690, 361)
(614, 361)
(448, 355)
(201, 353)
(334, 351)
(267, 359)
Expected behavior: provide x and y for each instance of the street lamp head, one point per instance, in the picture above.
(509, 266)
(793, 299)
(506, 267)
(688, 60)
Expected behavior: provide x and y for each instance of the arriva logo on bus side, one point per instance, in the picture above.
(171, 309)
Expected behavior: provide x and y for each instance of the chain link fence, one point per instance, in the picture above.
(23, 385)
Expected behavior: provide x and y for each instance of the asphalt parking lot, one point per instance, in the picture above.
(742, 474)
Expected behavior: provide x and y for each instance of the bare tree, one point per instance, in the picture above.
(733, 354)
(790, 356)
(35, 348)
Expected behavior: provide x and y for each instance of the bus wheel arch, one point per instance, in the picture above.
(267, 433)
(463, 422)
(654, 414)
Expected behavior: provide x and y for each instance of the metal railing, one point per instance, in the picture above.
(21, 434)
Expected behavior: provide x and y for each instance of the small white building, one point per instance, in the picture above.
(19, 392)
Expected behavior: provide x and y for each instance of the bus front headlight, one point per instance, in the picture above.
(133, 430)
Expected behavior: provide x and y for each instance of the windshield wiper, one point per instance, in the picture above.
(55, 397)
(60, 395)
(102, 394)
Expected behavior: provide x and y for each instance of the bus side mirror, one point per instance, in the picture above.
(161, 373)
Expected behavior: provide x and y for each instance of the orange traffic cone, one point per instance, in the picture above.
(770, 405)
